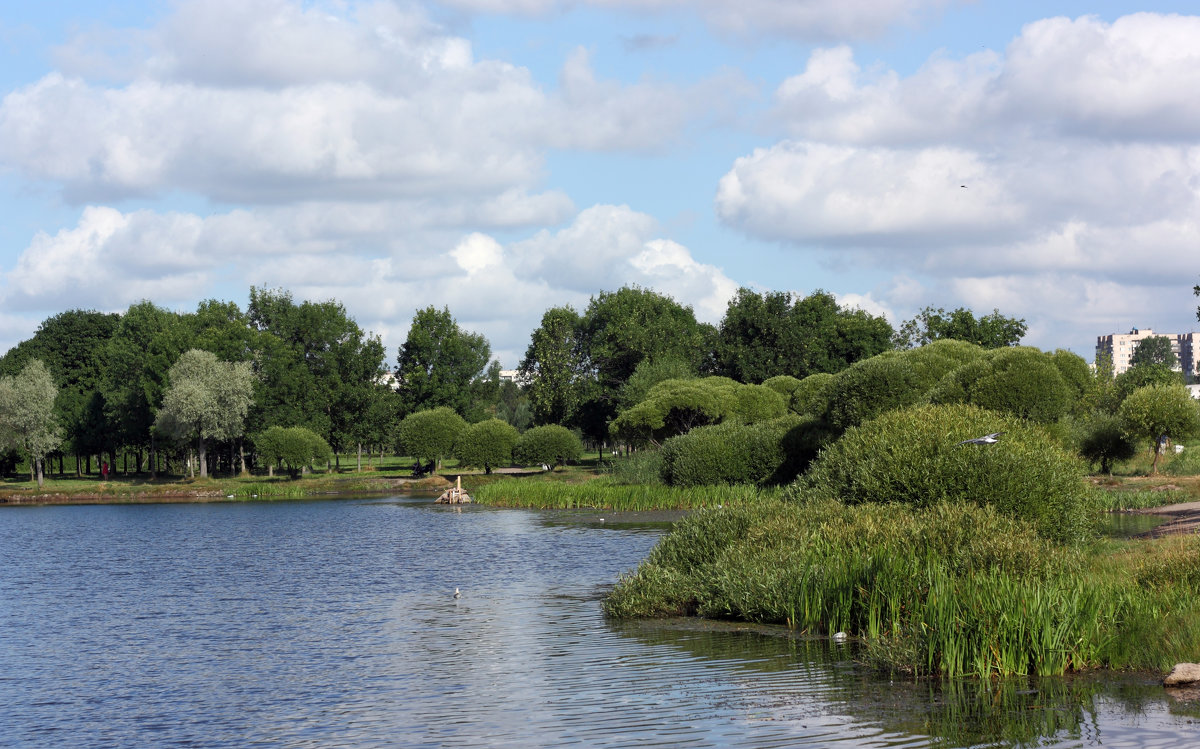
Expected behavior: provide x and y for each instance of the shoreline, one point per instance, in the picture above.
(1184, 519)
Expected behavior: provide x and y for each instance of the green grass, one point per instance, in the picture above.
(955, 590)
(604, 493)
(1117, 500)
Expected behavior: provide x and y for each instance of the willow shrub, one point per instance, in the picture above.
(913, 457)
(731, 453)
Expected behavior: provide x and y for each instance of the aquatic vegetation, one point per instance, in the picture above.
(951, 589)
(603, 493)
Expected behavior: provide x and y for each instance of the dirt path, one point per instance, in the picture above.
(1184, 518)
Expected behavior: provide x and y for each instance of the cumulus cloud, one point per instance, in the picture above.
(279, 102)
(804, 19)
(111, 259)
(1044, 180)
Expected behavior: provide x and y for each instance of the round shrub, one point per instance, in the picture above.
(729, 453)
(430, 434)
(487, 444)
(547, 445)
(295, 447)
(1075, 371)
(913, 457)
(893, 379)
(1100, 438)
(1021, 381)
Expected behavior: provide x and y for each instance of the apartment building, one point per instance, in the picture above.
(1121, 347)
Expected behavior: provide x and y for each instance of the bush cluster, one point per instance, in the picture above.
(296, 447)
(486, 444)
(913, 457)
(551, 445)
(732, 453)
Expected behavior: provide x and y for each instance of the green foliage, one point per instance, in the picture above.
(438, 362)
(775, 333)
(617, 332)
(1021, 381)
(892, 380)
(295, 447)
(639, 467)
(27, 419)
(1158, 411)
(207, 399)
(732, 453)
(912, 456)
(486, 444)
(989, 331)
(648, 373)
(147, 342)
(430, 434)
(1076, 373)
(1143, 376)
(674, 407)
(948, 589)
(1154, 350)
(553, 367)
(551, 444)
(1101, 439)
(605, 494)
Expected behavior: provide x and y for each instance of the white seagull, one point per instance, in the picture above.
(457, 594)
(988, 439)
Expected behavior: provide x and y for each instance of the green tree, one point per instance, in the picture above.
(1101, 439)
(72, 346)
(550, 444)
(486, 444)
(430, 434)
(317, 367)
(207, 399)
(296, 447)
(776, 333)
(618, 331)
(990, 331)
(1144, 376)
(674, 407)
(438, 361)
(1159, 411)
(147, 342)
(27, 419)
(1154, 350)
(553, 366)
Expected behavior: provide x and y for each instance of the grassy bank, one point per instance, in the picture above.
(604, 493)
(952, 590)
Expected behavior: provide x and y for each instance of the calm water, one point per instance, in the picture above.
(333, 624)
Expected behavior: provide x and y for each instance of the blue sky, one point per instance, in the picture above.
(503, 156)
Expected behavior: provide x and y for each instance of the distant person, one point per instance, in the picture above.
(104, 471)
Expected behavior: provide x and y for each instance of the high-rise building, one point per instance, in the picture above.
(1121, 347)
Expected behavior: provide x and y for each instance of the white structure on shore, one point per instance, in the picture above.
(1121, 347)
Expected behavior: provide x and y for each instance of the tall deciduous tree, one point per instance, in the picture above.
(207, 399)
(438, 361)
(776, 333)
(990, 331)
(27, 418)
(554, 367)
(1154, 350)
(72, 346)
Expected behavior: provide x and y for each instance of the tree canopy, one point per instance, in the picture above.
(27, 419)
(990, 331)
(776, 333)
(207, 399)
(438, 361)
(1154, 350)
(430, 434)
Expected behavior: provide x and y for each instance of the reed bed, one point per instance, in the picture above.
(949, 590)
(605, 494)
(1117, 501)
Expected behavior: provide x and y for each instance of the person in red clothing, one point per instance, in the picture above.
(104, 471)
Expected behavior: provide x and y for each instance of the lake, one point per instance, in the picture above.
(333, 623)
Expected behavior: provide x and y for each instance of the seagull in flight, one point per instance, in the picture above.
(988, 439)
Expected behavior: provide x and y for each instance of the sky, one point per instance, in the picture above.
(501, 157)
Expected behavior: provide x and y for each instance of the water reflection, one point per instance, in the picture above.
(334, 624)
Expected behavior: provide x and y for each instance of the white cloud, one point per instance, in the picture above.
(111, 259)
(278, 102)
(1047, 182)
(805, 19)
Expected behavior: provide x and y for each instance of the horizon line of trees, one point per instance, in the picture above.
(150, 385)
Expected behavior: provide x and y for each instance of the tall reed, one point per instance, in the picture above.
(603, 493)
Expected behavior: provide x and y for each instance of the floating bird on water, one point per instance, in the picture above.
(987, 439)
(457, 594)
(840, 637)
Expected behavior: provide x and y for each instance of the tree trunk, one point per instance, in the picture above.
(360, 457)
(242, 456)
(153, 456)
(40, 480)
(271, 469)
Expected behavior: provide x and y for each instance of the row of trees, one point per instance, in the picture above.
(125, 383)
